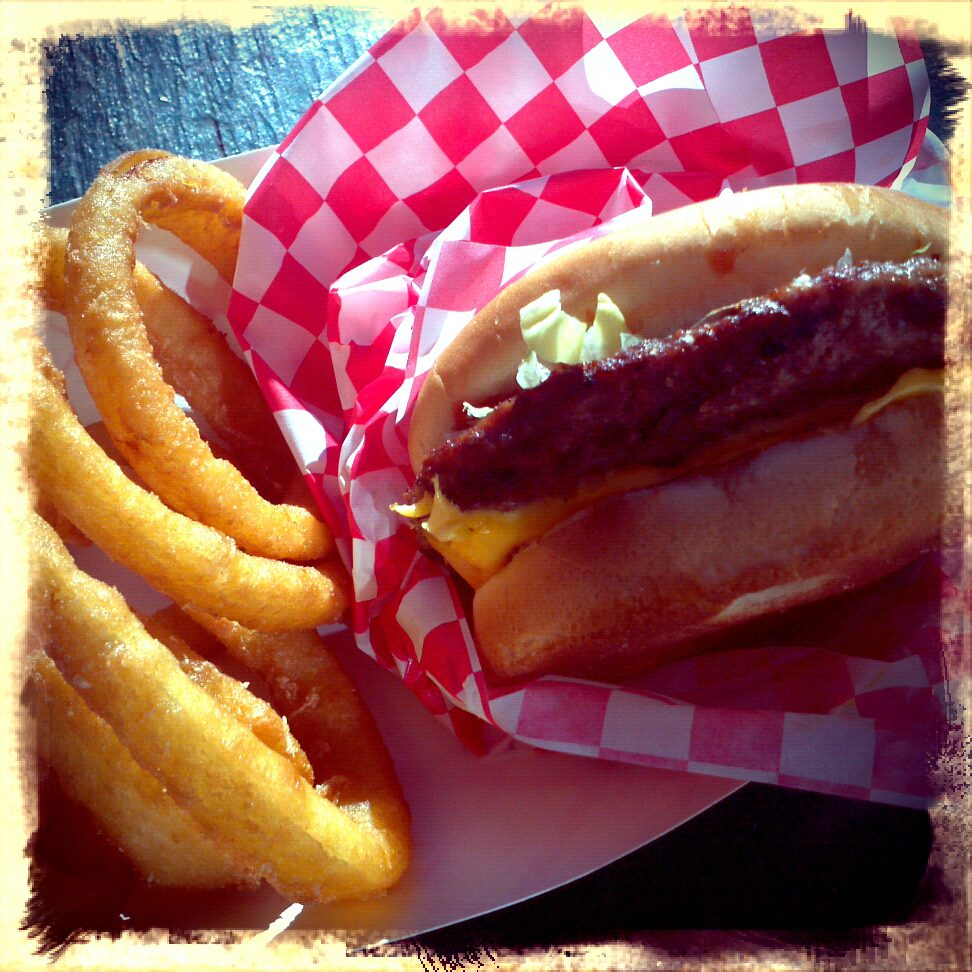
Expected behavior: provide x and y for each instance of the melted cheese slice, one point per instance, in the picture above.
(478, 543)
(918, 381)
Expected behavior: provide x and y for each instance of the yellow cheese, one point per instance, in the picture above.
(478, 543)
(918, 381)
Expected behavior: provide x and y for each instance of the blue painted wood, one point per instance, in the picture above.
(198, 89)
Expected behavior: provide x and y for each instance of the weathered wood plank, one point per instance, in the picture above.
(199, 89)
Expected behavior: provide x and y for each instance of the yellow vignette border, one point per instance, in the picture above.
(936, 939)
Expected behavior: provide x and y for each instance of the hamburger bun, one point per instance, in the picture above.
(637, 579)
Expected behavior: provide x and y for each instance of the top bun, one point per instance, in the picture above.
(666, 272)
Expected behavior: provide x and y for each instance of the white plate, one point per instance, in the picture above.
(488, 832)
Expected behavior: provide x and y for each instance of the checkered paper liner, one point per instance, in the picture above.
(444, 163)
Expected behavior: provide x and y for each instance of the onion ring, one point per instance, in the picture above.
(198, 363)
(310, 688)
(95, 769)
(188, 561)
(232, 696)
(66, 530)
(202, 206)
(248, 797)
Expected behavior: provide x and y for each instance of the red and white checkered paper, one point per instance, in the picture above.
(444, 163)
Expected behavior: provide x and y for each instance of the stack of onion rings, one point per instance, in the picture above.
(252, 801)
(96, 770)
(189, 561)
(203, 206)
(201, 782)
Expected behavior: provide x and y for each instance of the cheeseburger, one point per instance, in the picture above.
(697, 420)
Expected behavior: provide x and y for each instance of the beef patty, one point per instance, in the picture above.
(847, 333)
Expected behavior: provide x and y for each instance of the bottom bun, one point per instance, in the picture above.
(640, 579)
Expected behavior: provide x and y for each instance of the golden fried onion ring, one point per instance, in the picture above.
(198, 363)
(202, 206)
(95, 769)
(319, 701)
(250, 711)
(239, 792)
(188, 561)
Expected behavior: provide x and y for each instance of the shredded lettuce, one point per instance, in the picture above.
(476, 412)
(555, 337)
(603, 337)
(551, 332)
(845, 262)
(531, 372)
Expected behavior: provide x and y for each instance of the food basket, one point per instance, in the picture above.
(451, 157)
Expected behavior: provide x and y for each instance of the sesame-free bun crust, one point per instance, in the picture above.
(666, 272)
(645, 577)
(637, 580)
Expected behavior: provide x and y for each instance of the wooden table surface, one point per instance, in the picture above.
(829, 876)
